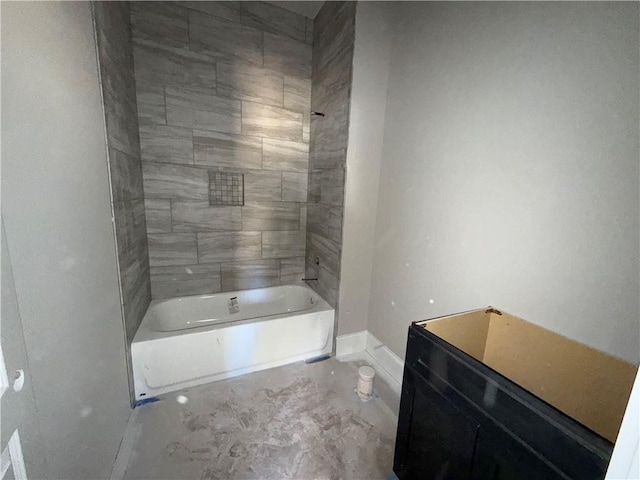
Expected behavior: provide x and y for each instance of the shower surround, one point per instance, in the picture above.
(334, 36)
(115, 56)
(223, 87)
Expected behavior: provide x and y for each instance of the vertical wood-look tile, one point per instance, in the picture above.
(226, 10)
(126, 176)
(309, 32)
(164, 180)
(318, 219)
(306, 127)
(271, 18)
(334, 225)
(129, 220)
(224, 40)
(249, 82)
(135, 304)
(167, 66)
(229, 246)
(165, 23)
(262, 186)
(121, 120)
(158, 215)
(314, 188)
(328, 251)
(283, 244)
(116, 64)
(270, 216)
(227, 150)
(285, 155)
(151, 109)
(246, 275)
(291, 270)
(335, 25)
(208, 95)
(283, 54)
(333, 36)
(303, 217)
(294, 187)
(179, 280)
(172, 249)
(328, 285)
(189, 216)
(297, 93)
(310, 266)
(273, 122)
(162, 143)
(202, 110)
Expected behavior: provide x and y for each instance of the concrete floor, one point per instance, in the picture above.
(294, 422)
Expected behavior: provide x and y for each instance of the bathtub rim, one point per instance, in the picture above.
(145, 333)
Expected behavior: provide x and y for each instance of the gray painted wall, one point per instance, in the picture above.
(333, 35)
(510, 169)
(18, 408)
(371, 60)
(115, 56)
(55, 206)
(223, 87)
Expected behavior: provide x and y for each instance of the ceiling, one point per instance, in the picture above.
(308, 9)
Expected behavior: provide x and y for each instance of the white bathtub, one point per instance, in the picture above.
(188, 341)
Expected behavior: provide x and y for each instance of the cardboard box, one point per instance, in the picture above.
(590, 386)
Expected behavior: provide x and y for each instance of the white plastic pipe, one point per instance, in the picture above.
(365, 382)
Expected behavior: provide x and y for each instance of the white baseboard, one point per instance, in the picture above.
(351, 343)
(386, 363)
(384, 357)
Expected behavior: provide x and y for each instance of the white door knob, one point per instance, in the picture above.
(18, 380)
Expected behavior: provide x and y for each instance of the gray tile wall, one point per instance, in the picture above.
(333, 40)
(223, 86)
(115, 55)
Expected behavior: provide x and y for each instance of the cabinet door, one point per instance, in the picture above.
(499, 456)
(441, 437)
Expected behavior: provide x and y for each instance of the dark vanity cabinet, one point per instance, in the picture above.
(461, 419)
(439, 441)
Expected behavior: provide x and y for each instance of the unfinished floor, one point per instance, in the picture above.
(301, 421)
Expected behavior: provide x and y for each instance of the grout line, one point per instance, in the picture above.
(193, 149)
(164, 95)
(188, 29)
(197, 248)
(284, 76)
(171, 214)
(215, 69)
(279, 271)
(261, 246)
(261, 153)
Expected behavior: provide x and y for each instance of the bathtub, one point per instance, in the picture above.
(188, 341)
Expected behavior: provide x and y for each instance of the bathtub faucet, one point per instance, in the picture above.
(234, 306)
